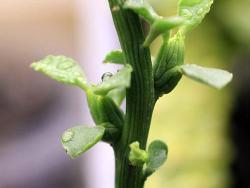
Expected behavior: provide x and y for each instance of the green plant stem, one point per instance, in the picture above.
(139, 97)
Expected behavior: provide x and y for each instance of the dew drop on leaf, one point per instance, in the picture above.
(106, 76)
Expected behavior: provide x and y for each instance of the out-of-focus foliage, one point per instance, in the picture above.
(193, 120)
(234, 16)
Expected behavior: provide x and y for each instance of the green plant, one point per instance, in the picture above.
(140, 81)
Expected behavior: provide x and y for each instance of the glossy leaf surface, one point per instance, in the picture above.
(120, 79)
(61, 69)
(79, 139)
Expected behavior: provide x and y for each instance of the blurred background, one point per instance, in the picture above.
(206, 130)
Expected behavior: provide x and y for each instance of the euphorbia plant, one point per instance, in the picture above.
(140, 81)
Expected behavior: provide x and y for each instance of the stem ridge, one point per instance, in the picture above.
(139, 97)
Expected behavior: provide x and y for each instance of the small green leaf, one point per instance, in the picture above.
(157, 155)
(137, 156)
(162, 26)
(194, 11)
(120, 79)
(79, 139)
(115, 57)
(142, 8)
(61, 69)
(213, 77)
(159, 25)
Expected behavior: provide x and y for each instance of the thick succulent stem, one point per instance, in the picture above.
(139, 97)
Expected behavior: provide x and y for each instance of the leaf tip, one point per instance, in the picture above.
(213, 77)
(34, 66)
(228, 78)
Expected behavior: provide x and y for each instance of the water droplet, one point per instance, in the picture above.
(200, 11)
(67, 136)
(106, 76)
(187, 13)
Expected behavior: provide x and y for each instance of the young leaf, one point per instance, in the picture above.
(170, 55)
(157, 155)
(79, 139)
(137, 156)
(142, 8)
(213, 77)
(61, 69)
(159, 25)
(115, 57)
(103, 109)
(162, 26)
(194, 11)
(166, 71)
(120, 79)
